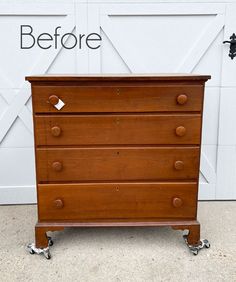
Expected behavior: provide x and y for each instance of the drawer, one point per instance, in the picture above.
(117, 129)
(117, 201)
(117, 99)
(117, 163)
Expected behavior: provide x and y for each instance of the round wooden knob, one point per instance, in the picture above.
(182, 99)
(177, 202)
(58, 204)
(56, 131)
(179, 165)
(57, 166)
(180, 131)
(53, 99)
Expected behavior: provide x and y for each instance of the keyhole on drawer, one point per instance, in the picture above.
(117, 153)
(117, 189)
(117, 121)
(118, 91)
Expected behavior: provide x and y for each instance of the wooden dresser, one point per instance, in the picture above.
(118, 150)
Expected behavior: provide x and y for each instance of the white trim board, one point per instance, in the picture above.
(18, 195)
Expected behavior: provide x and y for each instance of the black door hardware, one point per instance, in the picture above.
(232, 47)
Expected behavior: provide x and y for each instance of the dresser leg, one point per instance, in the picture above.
(192, 237)
(42, 241)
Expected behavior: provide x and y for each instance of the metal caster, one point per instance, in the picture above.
(45, 251)
(33, 250)
(195, 249)
(50, 242)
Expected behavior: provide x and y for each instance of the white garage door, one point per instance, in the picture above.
(137, 37)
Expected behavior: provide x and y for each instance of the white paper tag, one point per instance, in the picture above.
(59, 105)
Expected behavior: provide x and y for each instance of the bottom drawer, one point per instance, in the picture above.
(117, 201)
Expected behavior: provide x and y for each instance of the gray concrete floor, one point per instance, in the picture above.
(119, 254)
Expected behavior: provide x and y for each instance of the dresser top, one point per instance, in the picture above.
(119, 77)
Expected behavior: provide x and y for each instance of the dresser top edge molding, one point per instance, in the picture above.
(119, 77)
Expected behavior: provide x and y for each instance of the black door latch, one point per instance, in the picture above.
(232, 47)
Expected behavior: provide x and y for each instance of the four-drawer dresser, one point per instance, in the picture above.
(117, 150)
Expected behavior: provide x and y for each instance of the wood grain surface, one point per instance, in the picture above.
(117, 163)
(117, 99)
(118, 129)
(117, 201)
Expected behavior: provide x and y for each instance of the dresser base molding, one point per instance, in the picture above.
(42, 241)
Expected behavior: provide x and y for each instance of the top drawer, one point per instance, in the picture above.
(82, 99)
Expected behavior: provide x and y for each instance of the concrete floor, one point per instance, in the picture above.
(119, 254)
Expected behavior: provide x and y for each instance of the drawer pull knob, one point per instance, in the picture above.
(56, 131)
(53, 100)
(58, 204)
(56, 102)
(57, 166)
(177, 202)
(182, 99)
(179, 165)
(180, 131)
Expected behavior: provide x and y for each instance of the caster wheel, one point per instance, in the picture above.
(32, 252)
(47, 255)
(206, 243)
(194, 251)
(50, 242)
